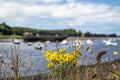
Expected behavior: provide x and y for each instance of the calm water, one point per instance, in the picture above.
(29, 53)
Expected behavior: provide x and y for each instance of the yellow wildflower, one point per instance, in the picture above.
(61, 57)
(50, 65)
(74, 61)
(63, 50)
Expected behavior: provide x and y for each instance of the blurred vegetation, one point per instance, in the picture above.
(10, 36)
(17, 30)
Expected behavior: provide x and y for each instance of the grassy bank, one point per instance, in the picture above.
(10, 36)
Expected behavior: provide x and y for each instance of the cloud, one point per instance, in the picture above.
(70, 14)
(50, 1)
(33, 1)
(71, 0)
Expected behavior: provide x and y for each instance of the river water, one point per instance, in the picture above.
(37, 57)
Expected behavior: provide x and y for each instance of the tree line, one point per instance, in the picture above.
(8, 30)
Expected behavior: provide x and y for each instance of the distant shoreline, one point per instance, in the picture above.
(86, 38)
(8, 40)
(68, 38)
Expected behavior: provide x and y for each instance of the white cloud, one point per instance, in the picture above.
(50, 1)
(32, 1)
(75, 13)
(71, 0)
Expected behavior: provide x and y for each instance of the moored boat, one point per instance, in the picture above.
(110, 43)
(64, 42)
(16, 41)
(89, 42)
(38, 45)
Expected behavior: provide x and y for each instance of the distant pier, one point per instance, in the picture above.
(44, 38)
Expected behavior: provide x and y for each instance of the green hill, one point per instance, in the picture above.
(16, 30)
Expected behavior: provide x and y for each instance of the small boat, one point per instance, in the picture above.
(47, 42)
(64, 42)
(89, 42)
(29, 44)
(38, 45)
(77, 43)
(110, 43)
(16, 41)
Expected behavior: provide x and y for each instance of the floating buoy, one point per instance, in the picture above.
(115, 52)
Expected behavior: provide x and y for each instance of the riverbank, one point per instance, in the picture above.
(8, 38)
(11, 36)
(86, 38)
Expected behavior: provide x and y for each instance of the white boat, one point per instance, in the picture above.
(64, 42)
(110, 43)
(38, 45)
(16, 41)
(89, 42)
(47, 42)
(77, 43)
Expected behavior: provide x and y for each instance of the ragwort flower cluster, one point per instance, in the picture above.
(62, 58)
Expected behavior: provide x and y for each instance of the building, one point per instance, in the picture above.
(27, 34)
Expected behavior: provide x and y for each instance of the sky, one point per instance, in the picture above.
(95, 16)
